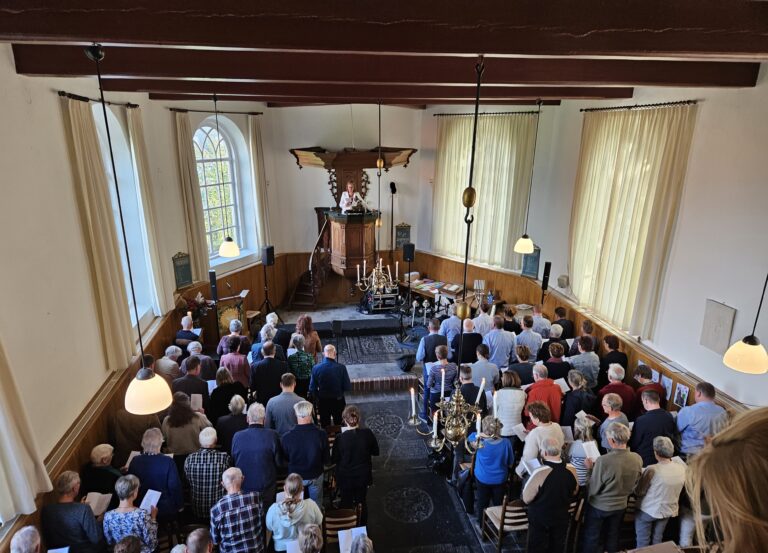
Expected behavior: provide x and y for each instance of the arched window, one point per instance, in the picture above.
(217, 176)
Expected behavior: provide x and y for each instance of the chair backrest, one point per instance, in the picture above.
(332, 430)
(514, 515)
(339, 519)
(629, 512)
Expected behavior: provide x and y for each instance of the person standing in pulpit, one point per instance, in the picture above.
(347, 197)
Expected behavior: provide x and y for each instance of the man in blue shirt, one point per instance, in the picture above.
(328, 383)
(700, 420)
(501, 344)
(257, 452)
(528, 337)
(451, 326)
(306, 450)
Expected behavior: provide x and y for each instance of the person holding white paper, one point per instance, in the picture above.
(548, 494)
(129, 520)
(579, 398)
(99, 475)
(158, 472)
(544, 389)
(182, 426)
(69, 523)
(544, 428)
(285, 518)
(510, 402)
(613, 479)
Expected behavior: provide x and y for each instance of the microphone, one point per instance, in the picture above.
(392, 188)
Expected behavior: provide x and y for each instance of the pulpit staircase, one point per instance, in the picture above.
(305, 293)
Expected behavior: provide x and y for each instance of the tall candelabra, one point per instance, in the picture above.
(378, 281)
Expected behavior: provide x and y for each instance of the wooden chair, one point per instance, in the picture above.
(511, 516)
(339, 519)
(576, 511)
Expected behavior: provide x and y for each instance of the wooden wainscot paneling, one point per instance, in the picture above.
(515, 289)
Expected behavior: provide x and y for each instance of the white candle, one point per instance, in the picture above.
(189, 313)
(413, 402)
(413, 315)
(495, 407)
(389, 273)
(434, 424)
(442, 385)
(397, 269)
(477, 426)
(480, 392)
(358, 272)
(364, 272)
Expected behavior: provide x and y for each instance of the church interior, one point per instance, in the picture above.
(363, 208)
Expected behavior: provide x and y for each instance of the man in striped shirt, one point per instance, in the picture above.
(236, 520)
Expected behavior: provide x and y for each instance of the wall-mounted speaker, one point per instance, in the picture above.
(563, 281)
(409, 252)
(268, 256)
(393, 187)
(545, 278)
(214, 289)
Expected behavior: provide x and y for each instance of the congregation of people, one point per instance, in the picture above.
(534, 446)
(217, 464)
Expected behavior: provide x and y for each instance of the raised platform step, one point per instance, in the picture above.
(385, 383)
(369, 327)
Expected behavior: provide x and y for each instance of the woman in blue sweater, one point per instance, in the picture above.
(492, 464)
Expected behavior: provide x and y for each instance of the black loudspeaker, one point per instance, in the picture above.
(392, 188)
(409, 252)
(545, 278)
(268, 256)
(214, 289)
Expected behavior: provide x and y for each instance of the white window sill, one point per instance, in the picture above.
(227, 264)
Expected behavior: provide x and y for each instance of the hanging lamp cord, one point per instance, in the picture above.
(216, 117)
(469, 218)
(120, 208)
(760, 306)
(533, 164)
(378, 176)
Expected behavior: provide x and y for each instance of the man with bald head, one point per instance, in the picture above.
(236, 518)
(467, 342)
(328, 383)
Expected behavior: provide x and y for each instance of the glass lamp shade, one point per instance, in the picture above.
(524, 245)
(229, 248)
(747, 356)
(147, 394)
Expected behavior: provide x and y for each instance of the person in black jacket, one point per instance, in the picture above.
(613, 356)
(229, 425)
(655, 422)
(548, 494)
(580, 398)
(99, 475)
(352, 452)
(555, 337)
(191, 383)
(226, 389)
(266, 374)
(567, 325)
(523, 367)
(469, 342)
(556, 366)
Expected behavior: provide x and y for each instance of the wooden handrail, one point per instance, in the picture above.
(317, 245)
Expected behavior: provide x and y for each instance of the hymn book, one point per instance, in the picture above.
(151, 498)
(563, 385)
(591, 451)
(346, 537)
(520, 432)
(98, 502)
(196, 402)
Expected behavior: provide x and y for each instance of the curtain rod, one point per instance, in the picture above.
(86, 99)
(643, 106)
(484, 113)
(182, 110)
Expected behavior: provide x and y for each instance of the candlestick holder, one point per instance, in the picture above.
(414, 420)
(378, 281)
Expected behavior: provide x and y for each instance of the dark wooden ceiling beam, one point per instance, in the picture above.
(300, 105)
(305, 100)
(175, 63)
(383, 91)
(684, 28)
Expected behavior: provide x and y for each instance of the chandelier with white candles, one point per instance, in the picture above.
(456, 415)
(378, 281)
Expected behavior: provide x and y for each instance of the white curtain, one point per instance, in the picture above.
(100, 236)
(161, 301)
(503, 165)
(22, 473)
(190, 193)
(259, 177)
(630, 178)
